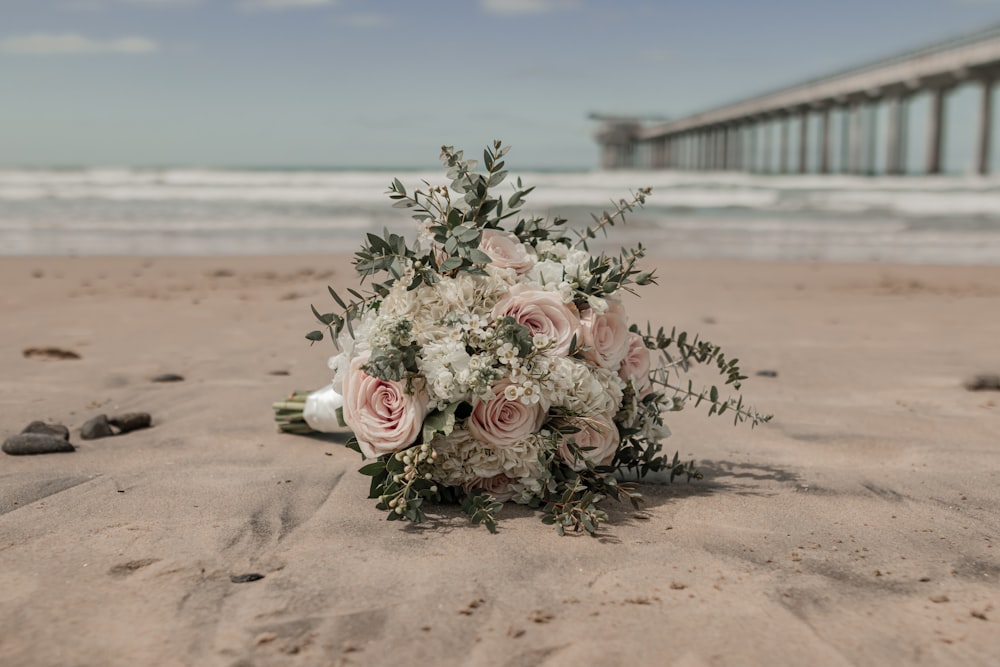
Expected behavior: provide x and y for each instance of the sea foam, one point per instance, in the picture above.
(102, 211)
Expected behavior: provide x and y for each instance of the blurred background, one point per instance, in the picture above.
(274, 126)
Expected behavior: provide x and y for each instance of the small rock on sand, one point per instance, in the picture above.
(983, 382)
(131, 421)
(49, 353)
(98, 427)
(168, 377)
(55, 430)
(35, 443)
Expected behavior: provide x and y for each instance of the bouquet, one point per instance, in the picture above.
(491, 359)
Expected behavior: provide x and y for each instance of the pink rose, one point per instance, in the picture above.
(606, 335)
(636, 364)
(543, 313)
(596, 432)
(500, 422)
(497, 486)
(383, 416)
(506, 251)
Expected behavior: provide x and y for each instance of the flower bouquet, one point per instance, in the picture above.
(492, 360)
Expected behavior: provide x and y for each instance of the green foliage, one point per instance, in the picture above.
(453, 219)
(441, 421)
(396, 357)
(401, 483)
(509, 330)
(482, 508)
(681, 354)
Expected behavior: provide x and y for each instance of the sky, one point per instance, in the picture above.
(384, 83)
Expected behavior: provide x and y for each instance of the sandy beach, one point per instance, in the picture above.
(860, 527)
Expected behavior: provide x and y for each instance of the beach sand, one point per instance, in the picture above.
(860, 527)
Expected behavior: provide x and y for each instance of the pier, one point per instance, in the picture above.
(831, 118)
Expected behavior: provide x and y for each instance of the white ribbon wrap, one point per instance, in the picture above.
(321, 408)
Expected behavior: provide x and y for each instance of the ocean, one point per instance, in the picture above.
(185, 211)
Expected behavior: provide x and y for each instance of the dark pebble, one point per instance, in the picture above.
(35, 443)
(98, 427)
(131, 421)
(56, 430)
(983, 382)
(245, 578)
(278, 373)
(49, 353)
(767, 374)
(168, 377)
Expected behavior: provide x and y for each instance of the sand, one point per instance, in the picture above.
(860, 527)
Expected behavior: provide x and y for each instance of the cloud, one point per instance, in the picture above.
(278, 5)
(520, 7)
(366, 20)
(97, 5)
(69, 43)
(160, 3)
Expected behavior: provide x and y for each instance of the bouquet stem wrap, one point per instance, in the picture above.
(310, 411)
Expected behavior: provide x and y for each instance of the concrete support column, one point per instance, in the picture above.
(754, 155)
(720, 148)
(804, 141)
(985, 123)
(724, 148)
(824, 141)
(768, 149)
(895, 152)
(871, 137)
(785, 120)
(713, 149)
(845, 140)
(658, 154)
(738, 137)
(935, 133)
(734, 147)
(727, 154)
(854, 139)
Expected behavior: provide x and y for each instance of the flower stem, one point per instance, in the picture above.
(288, 414)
